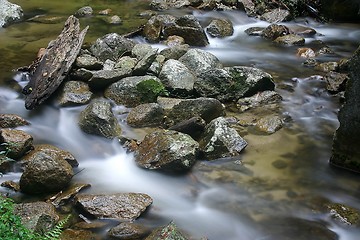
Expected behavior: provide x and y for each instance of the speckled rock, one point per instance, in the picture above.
(9, 13)
(146, 115)
(220, 28)
(88, 62)
(15, 142)
(198, 60)
(12, 121)
(75, 93)
(276, 15)
(290, 39)
(128, 231)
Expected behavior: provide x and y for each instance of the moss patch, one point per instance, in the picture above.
(150, 89)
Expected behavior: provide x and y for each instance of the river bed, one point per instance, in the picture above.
(241, 198)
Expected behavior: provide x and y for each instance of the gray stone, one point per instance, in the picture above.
(326, 66)
(103, 78)
(145, 62)
(154, 27)
(88, 62)
(140, 50)
(9, 13)
(12, 121)
(174, 40)
(274, 31)
(84, 12)
(114, 20)
(81, 74)
(198, 61)
(290, 39)
(126, 64)
(146, 115)
(220, 28)
(109, 64)
(175, 52)
(261, 98)
(15, 142)
(335, 82)
(167, 150)
(220, 140)
(98, 119)
(156, 66)
(276, 15)
(128, 231)
(75, 93)
(269, 124)
(121, 206)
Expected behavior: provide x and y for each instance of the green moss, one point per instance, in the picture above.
(150, 89)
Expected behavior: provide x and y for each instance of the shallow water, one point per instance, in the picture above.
(229, 199)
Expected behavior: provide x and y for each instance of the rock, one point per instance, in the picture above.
(81, 74)
(103, 78)
(198, 61)
(12, 121)
(175, 52)
(168, 232)
(274, 31)
(88, 62)
(9, 13)
(254, 31)
(75, 93)
(109, 65)
(174, 40)
(161, 5)
(269, 124)
(15, 142)
(189, 28)
(10, 184)
(107, 11)
(5, 164)
(249, 80)
(177, 78)
(326, 66)
(121, 206)
(145, 62)
(156, 66)
(261, 98)
(302, 30)
(67, 195)
(98, 119)
(220, 28)
(132, 91)
(220, 140)
(154, 27)
(335, 82)
(140, 50)
(167, 150)
(79, 235)
(344, 214)
(345, 150)
(45, 173)
(37, 216)
(248, 6)
(194, 127)
(305, 53)
(146, 115)
(276, 15)
(51, 151)
(111, 46)
(183, 109)
(114, 20)
(290, 39)
(128, 231)
(86, 11)
(126, 64)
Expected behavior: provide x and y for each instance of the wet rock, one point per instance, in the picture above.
(121, 206)
(167, 232)
(10, 184)
(145, 62)
(79, 235)
(194, 127)
(220, 28)
(249, 80)
(9, 13)
(326, 66)
(88, 62)
(5, 164)
(175, 52)
(128, 231)
(290, 39)
(174, 40)
(111, 46)
(345, 150)
(146, 115)
(103, 78)
(126, 64)
(179, 110)
(199, 61)
(140, 50)
(12, 121)
(220, 140)
(67, 195)
(94, 225)
(305, 53)
(261, 98)
(167, 150)
(269, 124)
(303, 30)
(344, 214)
(254, 31)
(52, 151)
(335, 82)
(75, 93)
(274, 31)
(15, 142)
(276, 15)
(177, 78)
(154, 27)
(33, 215)
(86, 11)
(189, 28)
(98, 119)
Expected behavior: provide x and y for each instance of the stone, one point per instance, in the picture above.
(305, 53)
(174, 40)
(260, 98)
(167, 150)
(269, 124)
(140, 50)
(161, 5)
(86, 11)
(104, 78)
(220, 140)
(145, 62)
(15, 142)
(68, 194)
(74, 93)
(154, 27)
(220, 28)
(98, 119)
(146, 115)
(126, 64)
(79, 235)
(336, 82)
(276, 15)
(12, 121)
(128, 231)
(175, 52)
(344, 214)
(114, 20)
(120, 206)
(81, 74)
(274, 31)
(326, 66)
(9, 13)
(254, 31)
(290, 39)
(171, 232)
(10, 184)
(194, 127)
(198, 61)
(88, 62)
(156, 66)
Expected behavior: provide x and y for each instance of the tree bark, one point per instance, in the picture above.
(54, 64)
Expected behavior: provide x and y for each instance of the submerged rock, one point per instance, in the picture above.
(269, 124)
(9, 13)
(12, 121)
(84, 12)
(167, 150)
(15, 142)
(121, 206)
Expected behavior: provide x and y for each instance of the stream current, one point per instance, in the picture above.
(246, 198)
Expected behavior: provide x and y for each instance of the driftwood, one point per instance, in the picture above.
(54, 64)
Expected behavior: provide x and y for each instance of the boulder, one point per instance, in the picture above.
(276, 15)
(220, 140)
(9, 13)
(156, 66)
(274, 31)
(111, 46)
(81, 74)
(345, 150)
(189, 28)
(37, 216)
(132, 91)
(104, 78)
(15, 142)
(88, 62)
(198, 61)
(12, 121)
(154, 27)
(140, 50)
(128, 231)
(120, 206)
(45, 173)
(305, 52)
(174, 40)
(170, 232)
(98, 119)
(168, 151)
(74, 93)
(254, 31)
(336, 82)
(290, 39)
(126, 64)
(220, 28)
(326, 66)
(261, 98)
(146, 115)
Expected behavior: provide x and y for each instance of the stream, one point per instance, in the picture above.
(244, 198)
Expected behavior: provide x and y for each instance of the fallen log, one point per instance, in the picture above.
(54, 64)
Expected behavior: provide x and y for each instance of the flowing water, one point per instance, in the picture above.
(242, 198)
